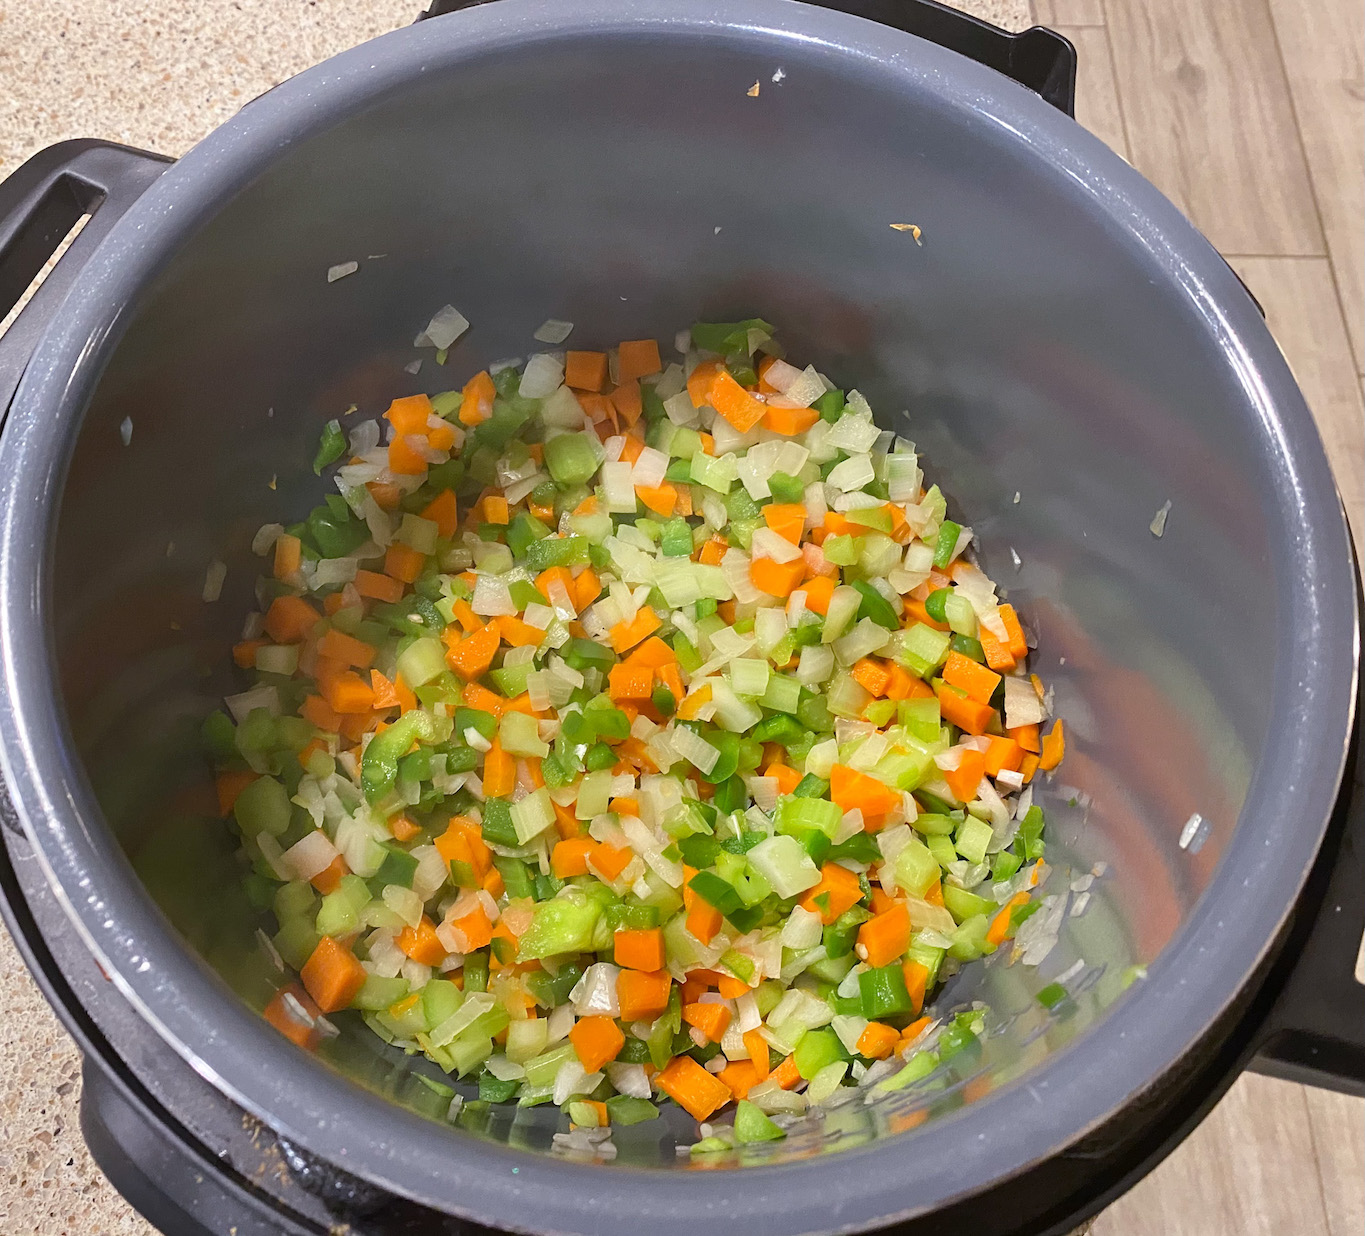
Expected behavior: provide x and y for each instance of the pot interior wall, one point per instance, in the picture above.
(1059, 387)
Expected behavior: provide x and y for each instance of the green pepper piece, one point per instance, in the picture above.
(875, 606)
(379, 766)
(331, 446)
(947, 542)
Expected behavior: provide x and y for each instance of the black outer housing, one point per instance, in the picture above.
(146, 1123)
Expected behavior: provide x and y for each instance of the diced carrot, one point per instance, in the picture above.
(1018, 644)
(710, 1018)
(441, 437)
(288, 555)
(311, 748)
(886, 936)
(244, 652)
(902, 684)
(279, 1014)
(597, 1040)
(703, 921)
(332, 975)
(518, 633)
(787, 519)
(962, 712)
(878, 1040)
(653, 653)
(421, 943)
(625, 635)
(409, 414)
(478, 696)
(495, 509)
(290, 619)
(998, 654)
(378, 587)
(838, 890)
(740, 1076)
(1054, 748)
(693, 703)
(349, 694)
(818, 591)
(626, 399)
(734, 403)
(696, 1091)
(444, 511)
(965, 779)
(970, 676)
(642, 994)
(852, 789)
(662, 499)
(570, 858)
(475, 928)
(476, 399)
(385, 693)
(778, 579)
(787, 778)
(346, 649)
(405, 458)
(713, 550)
(1027, 737)
(610, 860)
(471, 656)
(916, 975)
(499, 772)
(330, 876)
(915, 612)
(640, 948)
(638, 358)
(999, 930)
(1003, 755)
(386, 495)
(699, 382)
(630, 682)
(318, 712)
(789, 421)
(402, 828)
(871, 674)
(229, 784)
(757, 1047)
(585, 371)
(587, 588)
(787, 1074)
(403, 562)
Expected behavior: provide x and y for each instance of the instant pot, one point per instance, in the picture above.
(1070, 356)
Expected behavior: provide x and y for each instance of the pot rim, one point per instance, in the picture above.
(1198, 975)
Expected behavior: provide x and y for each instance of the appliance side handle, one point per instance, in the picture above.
(1039, 59)
(40, 203)
(1315, 1032)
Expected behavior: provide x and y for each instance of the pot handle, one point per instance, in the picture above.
(39, 205)
(1038, 58)
(1315, 1030)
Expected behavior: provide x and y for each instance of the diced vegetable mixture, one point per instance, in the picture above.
(622, 731)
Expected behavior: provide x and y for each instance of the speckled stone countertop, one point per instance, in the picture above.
(158, 77)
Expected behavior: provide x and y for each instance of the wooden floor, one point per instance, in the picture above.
(1248, 114)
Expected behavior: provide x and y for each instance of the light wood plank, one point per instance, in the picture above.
(1056, 13)
(1302, 311)
(1210, 121)
(1338, 1124)
(1246, 1171)
(1320, 41)
(1097, 99)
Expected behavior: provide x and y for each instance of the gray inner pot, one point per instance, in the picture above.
(1062, 333)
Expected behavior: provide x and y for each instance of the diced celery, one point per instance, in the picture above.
(572, 458)
(916, 869)
(960, 614)
(962, 905)
(922, 649)
(969, 940)
(263, 807)
(751, 1125)
(541, 1069)
(921, 717)
(795, 816)
(519, 734)
(526, 1038)
(421, 661)
(817, 1050)
(784, 863)
(843, 605)
(826, 1081)
(418, 533)
(973, 836)
(565, 924)
(594, 794)
(749, 676)
(296, 940)
(783, 694)
(532, 815)
(942, 848)
(377, 993)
